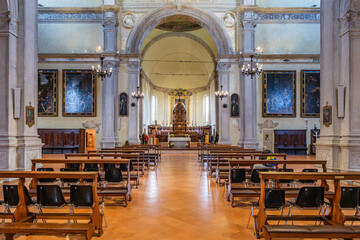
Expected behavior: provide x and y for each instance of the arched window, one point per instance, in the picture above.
(154, 108)
(206, 109)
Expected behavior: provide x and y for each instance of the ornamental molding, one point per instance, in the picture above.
(229, 19)
(91, 124)
(282, 15)
(8, 23)
(128, 20)
(267, 124)
(79, 15)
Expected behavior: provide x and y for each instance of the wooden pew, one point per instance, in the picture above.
(23, 221)
(144, 158)
(221, 164)
(136, 155)
(205, 150)
(237, 191)
(152, 151)
(102, 191)
(333, 223)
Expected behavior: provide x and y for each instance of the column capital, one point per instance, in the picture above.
(224, 65)
(8, 23)
(134, 66)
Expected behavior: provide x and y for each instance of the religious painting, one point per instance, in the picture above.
(327, 115)
(79, 93)
(279, 94)
(30, 115)
(310, 93)
(234, 105)
(123, 104)
(47, 93)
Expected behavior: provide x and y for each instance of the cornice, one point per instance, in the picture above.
(70, 9)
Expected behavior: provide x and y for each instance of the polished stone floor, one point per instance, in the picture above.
(177, 200)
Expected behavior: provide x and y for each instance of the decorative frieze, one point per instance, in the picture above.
(70, 17)
(287, 17)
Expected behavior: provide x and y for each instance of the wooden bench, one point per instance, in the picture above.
(138, 165)
(23, 219)
(302, 231)
(219, 161)
(234, 191)
(333, 223)
(102, 191)
(144, 160)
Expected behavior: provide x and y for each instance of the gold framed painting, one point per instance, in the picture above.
(30, 116)
(79, 93)
(279, 94)
(327, 115)
(47, 93)
(310, 94)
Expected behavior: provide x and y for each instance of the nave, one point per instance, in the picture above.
(175, 200)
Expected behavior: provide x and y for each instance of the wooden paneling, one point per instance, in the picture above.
(290, 142)
(62, 140)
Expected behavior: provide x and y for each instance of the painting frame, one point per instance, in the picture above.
(67, 73)
(313, 96)
(48, 92)
(30, 116)
(123, 106)
(327, 115)
(287, 85)
(235, 105)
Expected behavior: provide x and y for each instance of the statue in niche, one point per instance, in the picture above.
(234, 105)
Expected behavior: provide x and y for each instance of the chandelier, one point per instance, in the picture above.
(251, 68)
(137, 95)
(221, 94)
(100, 72)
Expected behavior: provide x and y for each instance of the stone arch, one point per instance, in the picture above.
(181, 34)
(159, 16)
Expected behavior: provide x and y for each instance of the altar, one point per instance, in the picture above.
(179, 142)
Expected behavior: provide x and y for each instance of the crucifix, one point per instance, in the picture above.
(316, 132)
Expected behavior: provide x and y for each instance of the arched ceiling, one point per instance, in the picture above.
(177, 61)
(201, 33)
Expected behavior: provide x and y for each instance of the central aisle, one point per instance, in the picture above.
(178, 200)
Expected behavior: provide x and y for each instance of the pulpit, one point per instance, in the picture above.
(179, 119)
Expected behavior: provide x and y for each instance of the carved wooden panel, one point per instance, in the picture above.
(62, 140)
(290, 141)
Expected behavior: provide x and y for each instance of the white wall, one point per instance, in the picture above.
(288, 3)
(288, 38)
(70, 38)
(70, 3)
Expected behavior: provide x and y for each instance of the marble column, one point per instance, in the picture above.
(194, 108)
(223, 69)
(166, 108)
(134, 74)
(19, 143)
(109, 138)
(248, 90)
(339, 143)
(8, 76)
(249, 119)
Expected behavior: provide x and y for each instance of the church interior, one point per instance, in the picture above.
(179, 119)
